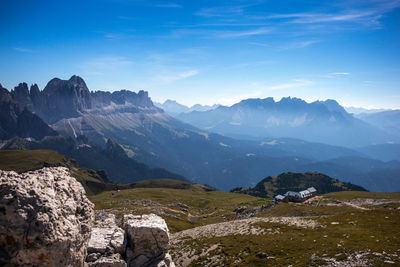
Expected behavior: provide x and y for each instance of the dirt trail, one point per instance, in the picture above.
(189, 215)
(244, 226)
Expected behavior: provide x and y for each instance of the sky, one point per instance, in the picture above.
(209, 51)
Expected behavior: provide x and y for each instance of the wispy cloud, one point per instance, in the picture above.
(222, 11)
(177, 76)
(119, 35)
(23, 50)
(369, 16)
(336, 74)
(339, 73)
(244, 33)
(97, 65)
(298, 44)
(168, 5)
(206, 33)
(259, 44)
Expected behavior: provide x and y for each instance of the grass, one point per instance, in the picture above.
(28, 160)
(203, 206)
(348, 195)
(344, 232)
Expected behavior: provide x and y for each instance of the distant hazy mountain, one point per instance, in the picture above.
(274, 185)
(372, 174)
(384, 152)
(388, 121)
(149, 135)
(173, 108)
(320, 121)
(358, 110)
(18, 121)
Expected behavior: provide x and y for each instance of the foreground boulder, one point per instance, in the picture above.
(148, 241)
(45, 218)
(107, 242)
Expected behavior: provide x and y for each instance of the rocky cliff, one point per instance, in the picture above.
(46, 220)
(16, 119)
(64, 99)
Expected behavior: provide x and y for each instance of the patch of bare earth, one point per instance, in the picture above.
(184, 255)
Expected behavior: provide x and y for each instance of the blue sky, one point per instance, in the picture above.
(209, 51)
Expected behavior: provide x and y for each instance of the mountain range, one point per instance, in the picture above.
(319, 121)
(93, 122)
(174, 108)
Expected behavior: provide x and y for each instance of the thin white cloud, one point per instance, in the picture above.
(178, 76)
(97, 65)
(235, 34)
(259, 44)
(23, 50)
(169, 5)
(339, 73)
(335, 74)
(368, 16)
(223, 34)
(222, 11)
(299, 44)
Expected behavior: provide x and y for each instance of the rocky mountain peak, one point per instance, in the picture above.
(34, 90)
(77, 81)
(21, 95)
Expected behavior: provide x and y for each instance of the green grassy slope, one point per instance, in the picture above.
(28, 160)
(192, 205)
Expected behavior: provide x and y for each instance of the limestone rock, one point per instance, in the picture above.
(148, 235)
(114, 260)
(106, 235)
(45, 218)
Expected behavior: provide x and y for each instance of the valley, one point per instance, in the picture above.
(124, 129)
(200, 133)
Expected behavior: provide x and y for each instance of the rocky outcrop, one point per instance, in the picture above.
(144, 242)
(107, 242)
(148, 237)
(45, 218)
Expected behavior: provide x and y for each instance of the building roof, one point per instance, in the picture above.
(292, 194)
(305, 192)
(312, 189)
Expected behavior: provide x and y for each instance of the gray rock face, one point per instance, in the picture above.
(107, 242)
(114, 260)
(45, 218)
(148, 235)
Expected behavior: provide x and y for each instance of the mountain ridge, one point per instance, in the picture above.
(320, 121)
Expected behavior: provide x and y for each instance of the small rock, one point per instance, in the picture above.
(92, 257)
(390, 262)
(261, 255)
(114, 260)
